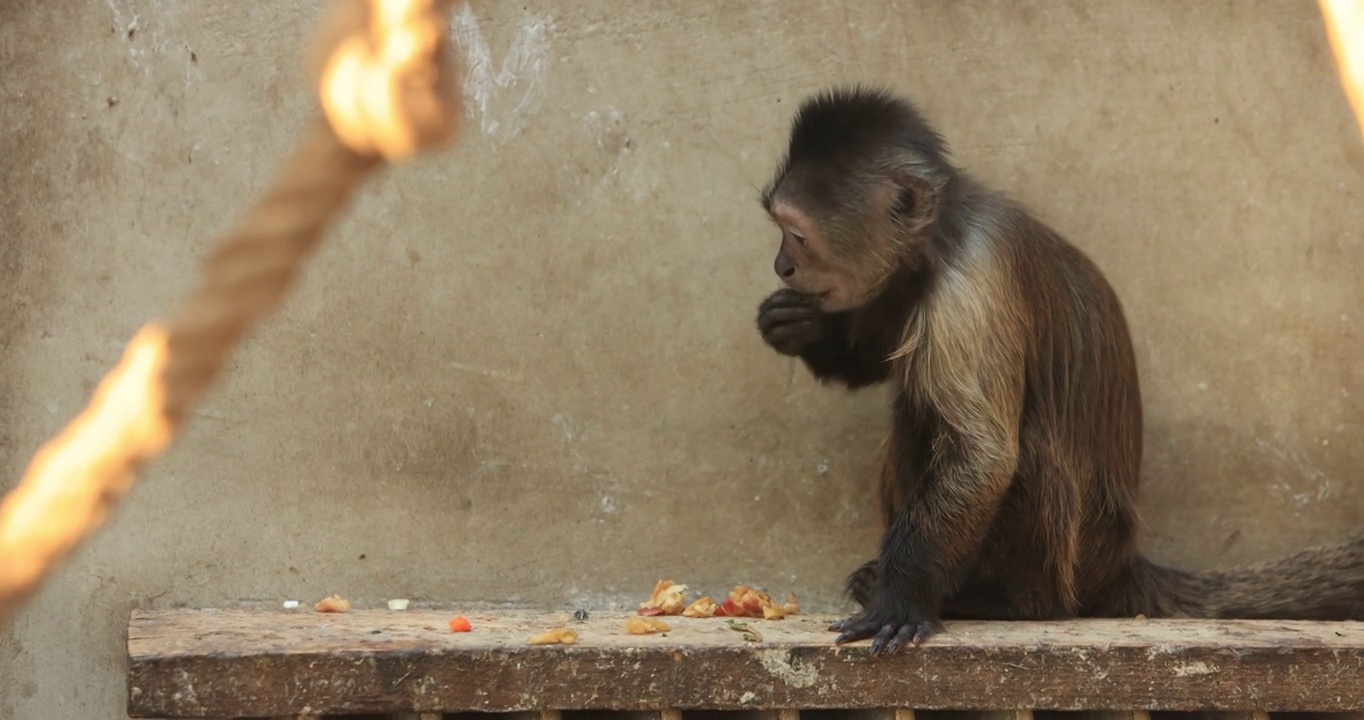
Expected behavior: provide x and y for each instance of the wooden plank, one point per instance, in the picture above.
(1095, 715)
(1243, 715)
(879, 714)
(260, 663)
(974, 715)
(621, 715)
(734, 715)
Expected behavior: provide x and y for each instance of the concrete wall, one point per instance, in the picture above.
(527, 369)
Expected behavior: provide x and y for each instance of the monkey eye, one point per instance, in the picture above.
(798, 238)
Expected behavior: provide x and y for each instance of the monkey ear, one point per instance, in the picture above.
(904, 201)
(916, 200)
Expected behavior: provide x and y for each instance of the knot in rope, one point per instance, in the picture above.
(387, 82)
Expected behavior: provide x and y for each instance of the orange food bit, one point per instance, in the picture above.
(460, 624)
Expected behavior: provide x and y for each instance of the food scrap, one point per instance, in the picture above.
(645, 626)
(702, 608)
(555, 636)
(460, 624)
(333, 604)
(290, 604)
(667, 599)
(744, 601)
(750, 635)
(397, 604)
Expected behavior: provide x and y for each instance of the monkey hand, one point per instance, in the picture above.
(890, 627)
(790, 322)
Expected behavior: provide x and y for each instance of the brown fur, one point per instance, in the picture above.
(1009, 482)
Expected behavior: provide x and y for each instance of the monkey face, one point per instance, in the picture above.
(806, 262)
(840, 267)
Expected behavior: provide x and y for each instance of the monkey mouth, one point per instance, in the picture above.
(812, 295)
(822, 300)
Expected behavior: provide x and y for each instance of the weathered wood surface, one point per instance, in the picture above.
(225, 663)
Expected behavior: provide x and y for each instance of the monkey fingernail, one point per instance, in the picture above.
(905, 634)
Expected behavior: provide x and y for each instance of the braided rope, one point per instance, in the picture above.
(1344, 21)
(389, 90)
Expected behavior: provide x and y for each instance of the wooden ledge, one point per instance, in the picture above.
(254, 663)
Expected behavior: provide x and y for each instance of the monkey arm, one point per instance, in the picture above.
(840, 357)
(928, 549)
(954, 451)
(969, 399)
(934, 536)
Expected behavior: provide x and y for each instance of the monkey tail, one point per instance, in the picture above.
(1320, 583)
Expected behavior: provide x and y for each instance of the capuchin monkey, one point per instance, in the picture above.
(1009, 481)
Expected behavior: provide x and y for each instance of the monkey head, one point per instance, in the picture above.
(856, 195)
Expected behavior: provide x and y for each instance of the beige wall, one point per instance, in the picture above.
(527, 369)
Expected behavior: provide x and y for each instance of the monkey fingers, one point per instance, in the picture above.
(790, 328)
(777, 317)
(786, 297)
(887, 636)
(793, 338)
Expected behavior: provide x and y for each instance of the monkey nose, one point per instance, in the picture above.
(783, 267)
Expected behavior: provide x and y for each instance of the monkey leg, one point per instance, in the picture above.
(861, 583)
(979, 600)
(1030, 555)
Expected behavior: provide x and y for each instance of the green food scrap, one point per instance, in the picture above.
(750, 634)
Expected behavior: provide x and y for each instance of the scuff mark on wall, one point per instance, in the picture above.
(140, 25)
(1288, 455)
(607, 483)
(516, 86)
